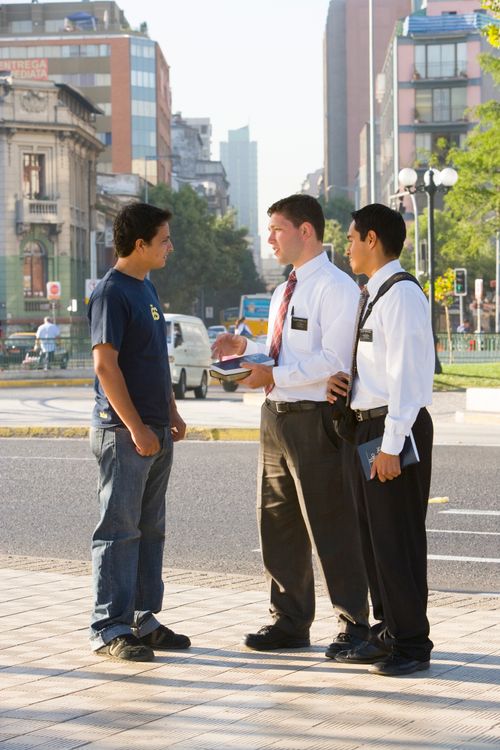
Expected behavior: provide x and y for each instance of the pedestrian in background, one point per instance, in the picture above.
(388, 389)
(135, 421)
(46, 341)
(302, 502)
(241, 328)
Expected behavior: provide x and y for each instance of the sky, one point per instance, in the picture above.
(248, 62)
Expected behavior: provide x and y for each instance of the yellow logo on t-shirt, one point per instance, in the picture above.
(155, 313)
(104, 415)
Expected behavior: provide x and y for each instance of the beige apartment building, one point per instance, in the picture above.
(48, 156)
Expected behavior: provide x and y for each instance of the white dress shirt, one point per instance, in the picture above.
(327, 299)
(396, 368)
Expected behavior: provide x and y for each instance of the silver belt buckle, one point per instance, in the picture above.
(357, 412)
(281, 408)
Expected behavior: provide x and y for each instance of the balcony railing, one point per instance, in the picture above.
(440, 70)
(29, 210)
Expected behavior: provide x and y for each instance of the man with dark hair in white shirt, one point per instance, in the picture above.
(389, 388)
(302, 502)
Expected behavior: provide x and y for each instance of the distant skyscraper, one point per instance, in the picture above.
(239, 157)
(346, 81)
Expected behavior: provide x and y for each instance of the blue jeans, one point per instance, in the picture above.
(127, 544)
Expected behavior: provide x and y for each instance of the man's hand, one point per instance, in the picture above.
(337, 384)
(145, 440)
(386, 467)
(260, 375)
(177, 425)
(228, 344)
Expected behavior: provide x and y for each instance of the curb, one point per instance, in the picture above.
(38, 383)
(193, 433)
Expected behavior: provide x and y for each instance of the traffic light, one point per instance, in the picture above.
(460, 284)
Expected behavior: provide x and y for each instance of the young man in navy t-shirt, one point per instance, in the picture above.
(134, 424)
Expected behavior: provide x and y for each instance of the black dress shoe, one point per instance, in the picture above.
(272, 637)
(364, 653)
(343, 642)
(396, 665)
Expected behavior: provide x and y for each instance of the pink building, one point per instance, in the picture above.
(430, 79)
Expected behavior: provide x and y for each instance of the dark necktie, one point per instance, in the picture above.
(274, 349)
(363, 299)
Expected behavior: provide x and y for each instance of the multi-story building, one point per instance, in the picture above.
(48, 154)
(89, 45)
(239, 157)
(430, 80)
(346, 81)
(204, 128)
(191, 167)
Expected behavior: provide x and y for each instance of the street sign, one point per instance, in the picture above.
(53, 290)
(478, 289)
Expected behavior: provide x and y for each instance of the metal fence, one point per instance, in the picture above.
(18, 352)
(469, 347)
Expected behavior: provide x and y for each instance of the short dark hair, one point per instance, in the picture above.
(137, 221)
(388, 225)
(299, 208)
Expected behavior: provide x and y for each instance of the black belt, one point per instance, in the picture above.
(281, 407)
(362, 416)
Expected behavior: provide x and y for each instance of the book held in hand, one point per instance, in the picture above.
(369, 451)
(231, 369)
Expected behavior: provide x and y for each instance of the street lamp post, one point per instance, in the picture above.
(434, 181)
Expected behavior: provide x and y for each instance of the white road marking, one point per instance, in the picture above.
(464, 512)
(457, 558)
(453, 531)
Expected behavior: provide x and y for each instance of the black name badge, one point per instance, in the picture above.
(299, 324)
(366, 334)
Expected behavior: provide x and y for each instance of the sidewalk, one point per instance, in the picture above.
(56, 695)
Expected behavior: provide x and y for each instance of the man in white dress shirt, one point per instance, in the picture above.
(392, 385)
(46, 338)
(302, 502)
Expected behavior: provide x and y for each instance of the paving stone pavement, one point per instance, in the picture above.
(56, 695)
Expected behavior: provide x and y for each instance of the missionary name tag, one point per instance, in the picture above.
(366, 334)
(299, 324)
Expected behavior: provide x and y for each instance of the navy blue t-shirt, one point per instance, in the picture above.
(125, 312)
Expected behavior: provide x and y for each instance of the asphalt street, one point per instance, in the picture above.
(48, 508)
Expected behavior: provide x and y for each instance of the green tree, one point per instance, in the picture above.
(474, 202)
(336, 236)
(191, 265)
(338, 208)
(443, 295)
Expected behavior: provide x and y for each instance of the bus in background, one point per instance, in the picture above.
(255, 309)
(229, 316)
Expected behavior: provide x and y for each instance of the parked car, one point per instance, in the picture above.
(214, 331)
(188, 353)
(16, 346)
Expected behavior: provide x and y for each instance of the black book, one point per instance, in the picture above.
(368, 452)
(231, 369)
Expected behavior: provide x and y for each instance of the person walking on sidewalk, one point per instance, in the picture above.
(46, 339)
(302, 502)
(390, 386)
(135, 421)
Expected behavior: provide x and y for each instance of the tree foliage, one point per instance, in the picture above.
(211, 264)
(338, 208)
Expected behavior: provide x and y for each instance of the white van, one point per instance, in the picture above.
(188, 353)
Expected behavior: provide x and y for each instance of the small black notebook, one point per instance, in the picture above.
(368, 452)
(231, 369)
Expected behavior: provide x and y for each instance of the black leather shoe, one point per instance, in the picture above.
(396, 665)
(364, 653)
(272, 637)
(343, 642)
(164, 639)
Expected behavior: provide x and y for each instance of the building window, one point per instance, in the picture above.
(440, 105)
(441, 60)
(34, 270)
(34, 176)
(437, 144)
(21, 27)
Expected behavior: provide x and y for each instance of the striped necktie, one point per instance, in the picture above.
(274, 349)
(363, 299)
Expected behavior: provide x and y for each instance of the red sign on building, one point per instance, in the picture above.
(34, 69)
